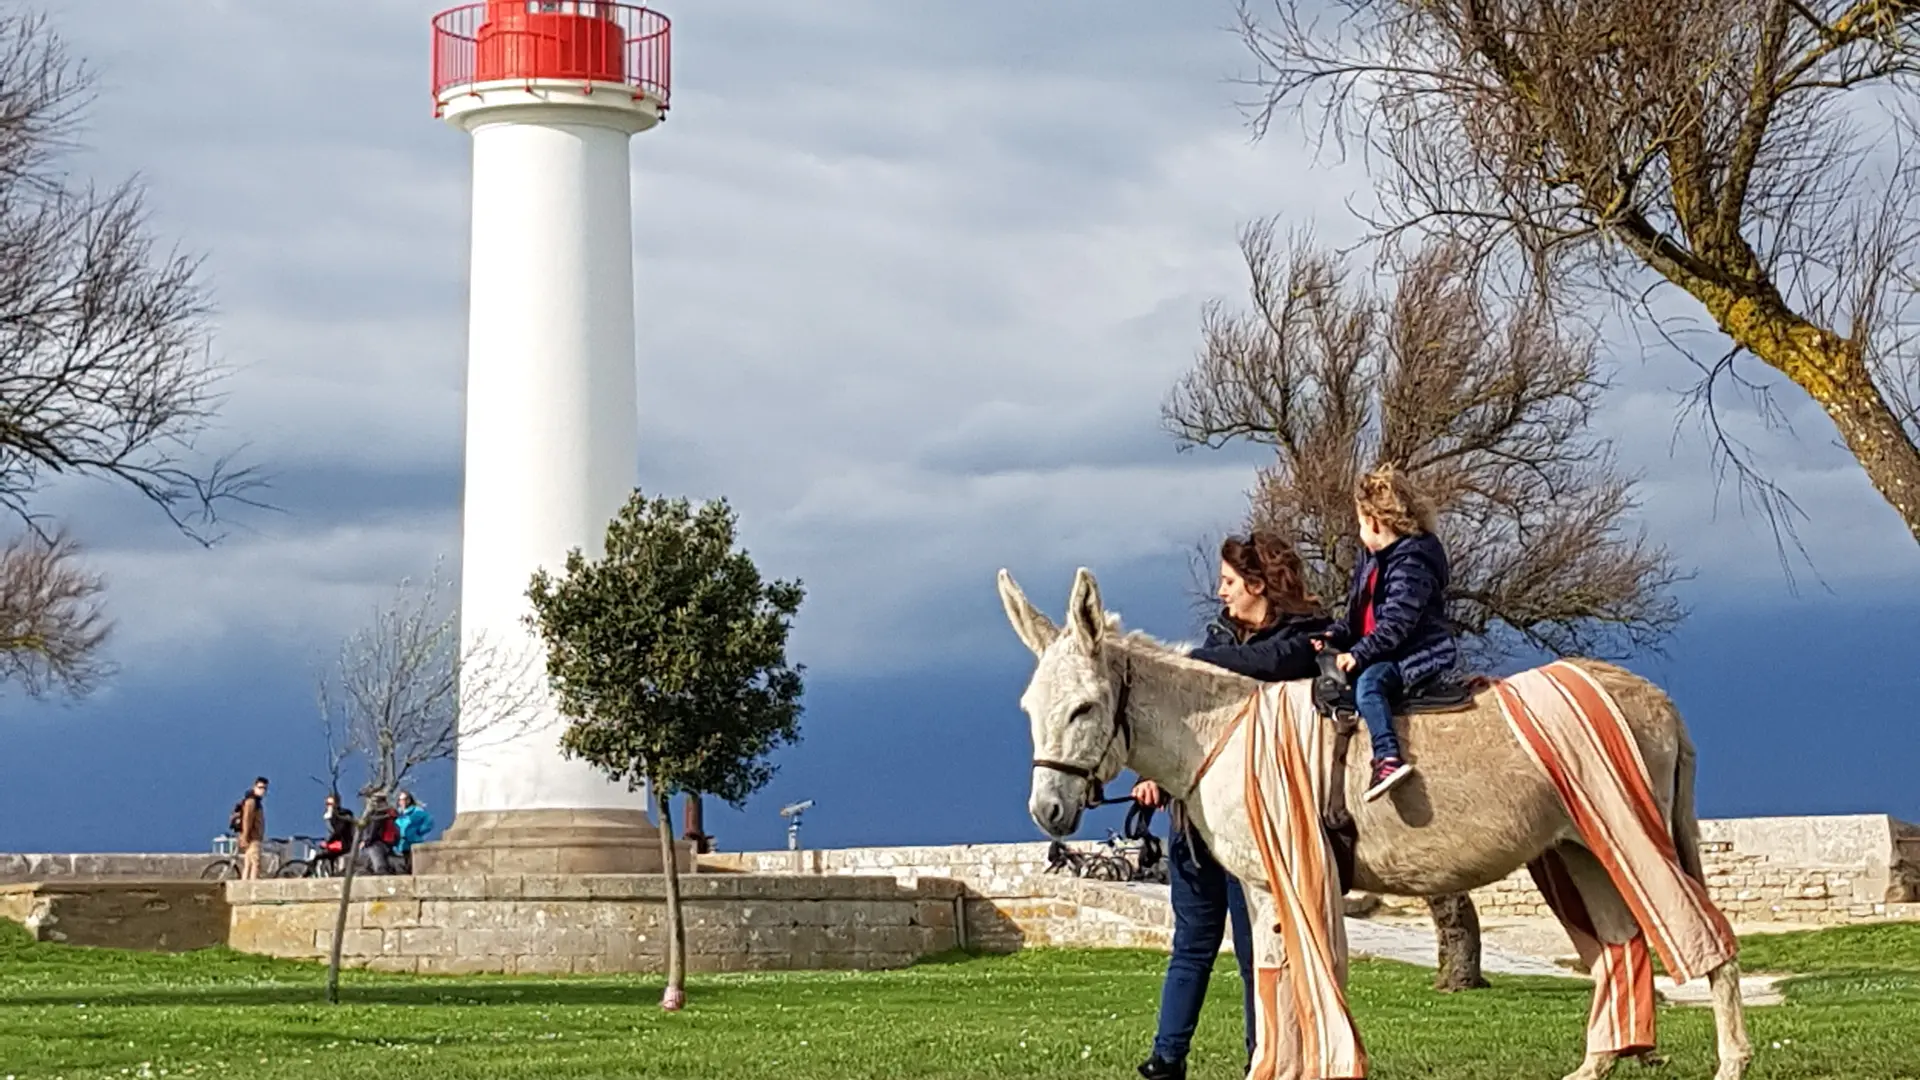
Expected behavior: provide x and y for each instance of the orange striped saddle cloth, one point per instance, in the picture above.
(1574, 731)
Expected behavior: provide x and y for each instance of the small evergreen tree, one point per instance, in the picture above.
(668, 655)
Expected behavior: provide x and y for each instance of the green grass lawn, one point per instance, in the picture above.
(75, 1013)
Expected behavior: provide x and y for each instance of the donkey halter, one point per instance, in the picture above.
(1122, 733)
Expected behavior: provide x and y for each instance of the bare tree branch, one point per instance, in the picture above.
(1747, 153)
(404, 691)
(51, 624)
(1488, 400)
(104, 365)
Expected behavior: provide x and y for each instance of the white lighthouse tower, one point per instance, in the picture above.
(551, 91)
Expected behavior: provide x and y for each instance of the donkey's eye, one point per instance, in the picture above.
(1080, 712)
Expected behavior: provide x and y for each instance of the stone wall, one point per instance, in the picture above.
(145, 867)
(993, 869)
(1814, 870)
(164, 916)
(600, 923)
(1011, 901)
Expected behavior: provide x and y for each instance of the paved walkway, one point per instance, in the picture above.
(1509, 947)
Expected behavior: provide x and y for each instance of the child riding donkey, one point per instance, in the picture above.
(1395, 632)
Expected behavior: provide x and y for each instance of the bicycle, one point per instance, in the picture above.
(275, 855)
(313, 861)
(1061, 857)
(1094, 865)
(1134, 857)
(1128, 860)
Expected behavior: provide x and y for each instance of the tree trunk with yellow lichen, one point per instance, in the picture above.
(1834, 372)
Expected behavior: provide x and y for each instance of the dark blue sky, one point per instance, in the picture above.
(1791, 716)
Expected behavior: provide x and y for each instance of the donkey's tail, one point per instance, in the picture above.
(1686, 825)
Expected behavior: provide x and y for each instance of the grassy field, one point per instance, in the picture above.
(80, 1013)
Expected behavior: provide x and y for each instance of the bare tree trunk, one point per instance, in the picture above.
(1457, 929)
(676, 994)
(346, 899)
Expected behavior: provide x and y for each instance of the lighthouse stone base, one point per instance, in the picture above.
(510, 842)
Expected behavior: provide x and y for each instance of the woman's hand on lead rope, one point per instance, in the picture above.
(1148, 793)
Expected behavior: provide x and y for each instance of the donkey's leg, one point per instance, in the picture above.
(1729, 1015)
(1593, 914)
(1276, 1048)
(1729, 1021)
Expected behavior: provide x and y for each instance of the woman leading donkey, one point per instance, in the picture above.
(1265, 631)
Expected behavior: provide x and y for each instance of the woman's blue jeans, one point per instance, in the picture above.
(1205, 900)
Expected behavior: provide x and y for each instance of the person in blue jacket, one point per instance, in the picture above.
(1265, 631)
(413, 823)
(1395, 635)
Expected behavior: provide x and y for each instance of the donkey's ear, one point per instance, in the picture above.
(1084, 614)
(1035, 629)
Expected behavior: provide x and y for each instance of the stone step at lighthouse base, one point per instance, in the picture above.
(495, 842)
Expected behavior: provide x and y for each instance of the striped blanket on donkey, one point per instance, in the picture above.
(1572, 729)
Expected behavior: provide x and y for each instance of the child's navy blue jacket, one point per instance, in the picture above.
(1409, 610)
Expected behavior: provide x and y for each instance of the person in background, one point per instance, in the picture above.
(382, 837)
(412, 825)
(251, 828)
(339, 821)
(693, 824)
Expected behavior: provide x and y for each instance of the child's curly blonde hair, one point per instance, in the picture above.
(1394, 502)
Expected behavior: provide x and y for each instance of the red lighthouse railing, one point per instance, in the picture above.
(583, 41)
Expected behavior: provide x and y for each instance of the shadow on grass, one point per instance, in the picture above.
(530, 994)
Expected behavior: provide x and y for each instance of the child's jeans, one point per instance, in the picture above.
(1374, 694)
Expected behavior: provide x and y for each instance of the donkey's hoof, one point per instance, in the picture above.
(1594, 1068)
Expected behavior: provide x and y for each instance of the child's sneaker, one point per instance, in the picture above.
(1386, 773)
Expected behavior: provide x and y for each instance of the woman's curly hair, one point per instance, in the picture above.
(1268, 559)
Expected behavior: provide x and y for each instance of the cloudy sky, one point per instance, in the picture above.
(912, 283)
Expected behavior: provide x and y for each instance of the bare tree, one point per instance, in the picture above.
(104, 364)
(1487, 402)
(402, 693)
(51, 625)
(1756, 155)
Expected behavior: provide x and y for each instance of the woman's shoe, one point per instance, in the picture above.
(1156, 1069)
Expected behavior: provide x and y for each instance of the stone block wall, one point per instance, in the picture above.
(600, 923)
(89, 867)
(1069, 913)
(163, 916)
(1812, 870)
(992, 869)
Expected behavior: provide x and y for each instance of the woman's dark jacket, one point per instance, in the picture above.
(1278, 652)
(340, 826)
(1409, 601)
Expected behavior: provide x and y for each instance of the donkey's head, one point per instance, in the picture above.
(1077, 709)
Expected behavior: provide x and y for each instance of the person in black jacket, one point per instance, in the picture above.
(1396, 634)
(1265, 631)
(339, 821)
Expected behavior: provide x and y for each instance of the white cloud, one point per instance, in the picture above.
(911, 285)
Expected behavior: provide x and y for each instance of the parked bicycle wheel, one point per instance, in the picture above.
(220, 870)
(294, 870)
